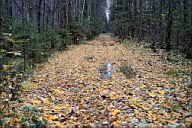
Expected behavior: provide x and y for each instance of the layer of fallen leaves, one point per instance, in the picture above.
(71, 92)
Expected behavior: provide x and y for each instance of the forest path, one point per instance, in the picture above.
(71, 91)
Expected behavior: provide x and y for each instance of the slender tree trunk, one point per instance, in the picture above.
(41, 16)
(140, 20)
(83, 8)
(160, 23)
(190, 15)
(190, 12)
(135, 5)
(67, 14)
(53, 7)
(78, 10)
(169, 26)
(88, 10)
(10, 9)
(74, 8)
(185, 21)
(124, 4)
(31, 10)
(1, 7)
(94, 9)
(23, 8)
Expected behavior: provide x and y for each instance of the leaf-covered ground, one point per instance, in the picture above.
(71, 92)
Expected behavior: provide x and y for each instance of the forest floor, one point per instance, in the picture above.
(71, 92)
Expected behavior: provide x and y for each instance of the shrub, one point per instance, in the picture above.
(91, 28)
(54, 39)
(128, 71)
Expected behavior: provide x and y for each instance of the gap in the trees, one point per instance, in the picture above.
(108, 10)
(107, 15)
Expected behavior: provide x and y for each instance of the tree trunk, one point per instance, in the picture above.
(78, 10)
(185, 21)
(94, 9)
(82, 11)
(1, 7)
(31, 10)
(88, 10)
(41, 17)
(140, 21)
(67, 14)
(160, 23)
(169, 26)
(10, 9)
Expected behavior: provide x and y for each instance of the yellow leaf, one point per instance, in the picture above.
(40, 119)
(176, 114)
(56, 107)
(3, 94)
(152, 94)
(115, 111)
(155, 117)
(188, 120)
(16, 119)
(6, 67)
(45, 100)
(150, 114)
(67, 105)
(161, 92)
(7, 119)
(154, 126)
(11, 122)
(113, 118)
(172, 121)
(116, 123)
(166, 114)
(35, 102)
(71, 122)
(57, 91)
(121, 116)
(53, 118)
(10, 95)
(146, 108)
(7, 99)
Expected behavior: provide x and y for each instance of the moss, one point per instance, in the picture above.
(187, 72)
(171, 71)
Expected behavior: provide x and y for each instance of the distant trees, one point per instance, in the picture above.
(52, 13)
(33, 28)
(164, 23)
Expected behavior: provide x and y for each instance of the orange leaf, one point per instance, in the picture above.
(161, 92)
(180, 80)
(146, 108)
(56, 107)
(71, 122)
(166, 114)
(150, 114)
(53, 117)
(115, 111)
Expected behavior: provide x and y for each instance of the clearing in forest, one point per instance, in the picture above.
(142, 91)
